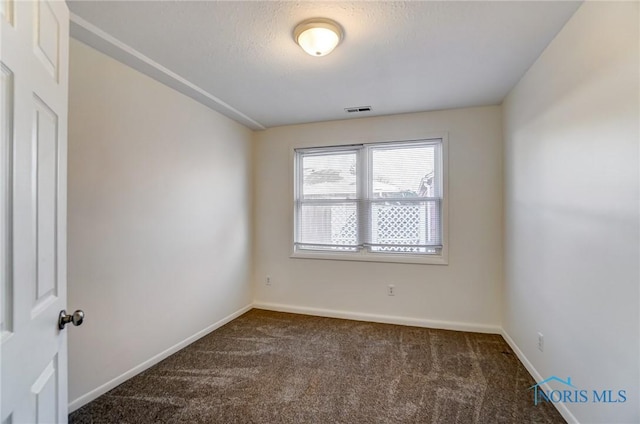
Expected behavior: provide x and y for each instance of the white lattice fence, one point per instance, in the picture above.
(392, 224)
(344, 225)
(396, 224)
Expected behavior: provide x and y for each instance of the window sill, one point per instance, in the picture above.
(373, 257)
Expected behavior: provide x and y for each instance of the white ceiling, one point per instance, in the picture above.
(240, 59)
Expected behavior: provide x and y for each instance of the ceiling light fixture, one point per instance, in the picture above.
(318, 36)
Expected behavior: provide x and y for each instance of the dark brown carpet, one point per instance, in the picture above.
(271, 367)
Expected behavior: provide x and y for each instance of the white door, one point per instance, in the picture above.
(34, 51)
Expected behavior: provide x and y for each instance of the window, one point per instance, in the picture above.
(380, 200)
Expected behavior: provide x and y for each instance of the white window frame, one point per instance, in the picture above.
(365, 255)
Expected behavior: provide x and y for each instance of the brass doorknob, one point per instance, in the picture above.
(64, 319)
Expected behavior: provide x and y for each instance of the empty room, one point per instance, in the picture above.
(320, 212)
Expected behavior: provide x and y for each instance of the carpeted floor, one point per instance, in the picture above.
(271, 367)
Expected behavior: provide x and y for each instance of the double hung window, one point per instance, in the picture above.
(373, 199)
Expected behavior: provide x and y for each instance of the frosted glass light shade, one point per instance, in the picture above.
(318, 36)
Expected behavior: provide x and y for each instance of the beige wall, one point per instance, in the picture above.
(571, 209)
(159, 219)
(464, 294)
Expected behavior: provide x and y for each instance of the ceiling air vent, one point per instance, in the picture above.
(357, 109)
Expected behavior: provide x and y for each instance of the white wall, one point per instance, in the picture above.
(159, 219)
(464, 294)
(571, 206)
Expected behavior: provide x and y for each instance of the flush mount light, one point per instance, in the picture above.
(318, 36)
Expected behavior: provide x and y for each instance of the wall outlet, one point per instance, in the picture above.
(391, 290)
(267, 280)
(540, 342)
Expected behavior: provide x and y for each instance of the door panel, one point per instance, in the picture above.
(45, 137)
(47, 37)
(34, 56)
(6, 10)
(44, 394)
(6, 180)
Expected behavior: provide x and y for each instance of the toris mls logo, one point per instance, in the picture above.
(571, 394)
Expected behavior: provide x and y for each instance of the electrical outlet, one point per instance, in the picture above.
(540, 342)
(267, 280)
(391, 290)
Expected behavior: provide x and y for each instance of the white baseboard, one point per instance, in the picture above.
(99, 391)
(561, 407)
(385, 319)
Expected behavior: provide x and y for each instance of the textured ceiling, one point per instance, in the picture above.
(397, 57)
